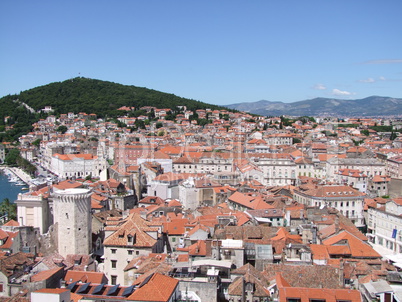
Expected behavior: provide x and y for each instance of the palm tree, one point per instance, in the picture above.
(8, 210)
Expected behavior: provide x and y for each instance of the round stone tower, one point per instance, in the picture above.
(72, 212)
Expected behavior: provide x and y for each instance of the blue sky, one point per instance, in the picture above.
(220, 52)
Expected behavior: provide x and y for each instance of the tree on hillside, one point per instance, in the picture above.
(11, 157)
(36, 142)
(63, 129)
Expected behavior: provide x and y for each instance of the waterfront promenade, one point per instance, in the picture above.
(20, 174)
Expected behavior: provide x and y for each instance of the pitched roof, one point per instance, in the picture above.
(83, 276)
(306, 275)
(175, 227)
(133, 226)
(354, 246)
(51, 290)
(333, 191)
(11, 223)
(251, 202)
(157, 288)
(325, 294)
(44, 275)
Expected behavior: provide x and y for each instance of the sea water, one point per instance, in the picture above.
(9, 189)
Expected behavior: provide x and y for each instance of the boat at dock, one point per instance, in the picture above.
(13, 179)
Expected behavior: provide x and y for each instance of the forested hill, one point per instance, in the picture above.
(100, 97)
(19, 112)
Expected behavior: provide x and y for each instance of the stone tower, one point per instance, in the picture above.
(72, 212)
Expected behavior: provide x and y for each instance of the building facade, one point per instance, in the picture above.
(347, 200)
(72, 212)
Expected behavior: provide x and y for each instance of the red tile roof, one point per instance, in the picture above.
(11, 223)
(52, 290)
(158, 288)
(134, 226)
(308, 294)
(83, 276)
(353, 246)
(44, 275)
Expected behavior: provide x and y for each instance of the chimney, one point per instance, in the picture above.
(288, 217)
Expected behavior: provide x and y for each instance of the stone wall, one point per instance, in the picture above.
(48, 241)
(395, 187)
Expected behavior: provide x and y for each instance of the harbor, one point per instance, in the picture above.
(11, 185)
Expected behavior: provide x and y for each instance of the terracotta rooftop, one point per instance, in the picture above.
(133, 226)
(156, 288)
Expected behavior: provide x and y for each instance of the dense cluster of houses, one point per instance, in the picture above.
(243, 208)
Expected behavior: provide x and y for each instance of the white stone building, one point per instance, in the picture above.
(354, 178)
(72, 213)
(77, 165)
(188, 194)
(385, 225)
(278, 169)
(368, 166)
(394, 167)
(347, 200)
(129, 238)
(279, 139)
(33, 210)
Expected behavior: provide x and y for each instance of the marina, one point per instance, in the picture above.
(10, 186)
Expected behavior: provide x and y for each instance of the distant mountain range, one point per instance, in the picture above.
(370, 106)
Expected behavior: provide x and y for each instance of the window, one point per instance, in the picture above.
(293, 300)
(114, 263)
(130, 252)
(113, 251)
(114, 279)
(137, 252)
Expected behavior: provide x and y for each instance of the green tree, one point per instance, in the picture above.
(36, 142)
(151, 114)
(63, 129)
(139, 124)
(365, 132)
(11, 157)
(8, 209)
(194, 116)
